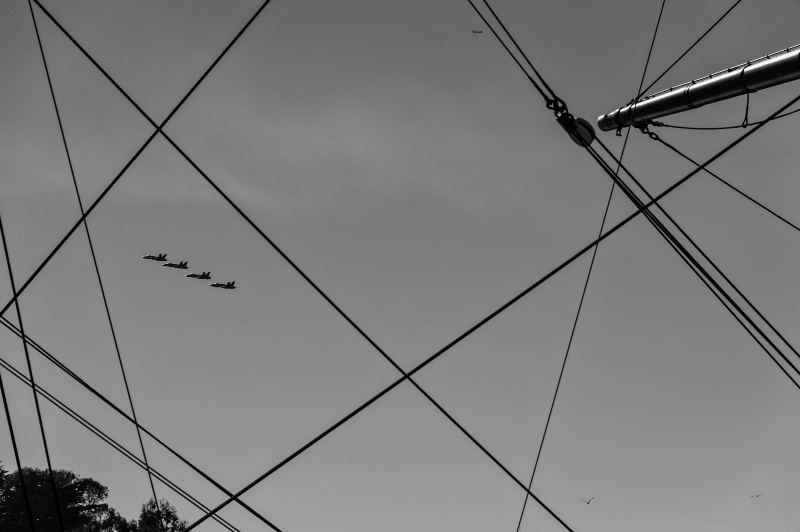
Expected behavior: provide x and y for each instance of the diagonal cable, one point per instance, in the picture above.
(56, 501)
(672, 188)
(110, 441)
(588, 274)
(727, 184)
(51, 358)
(375, 398)
(23, 487)
(710, 282)
(96, 267)
(639, 94)
(136, 155)
(301, 272)
(548, 99)
(661, 229)
(718, 270)
(138, 152)
(499, 310)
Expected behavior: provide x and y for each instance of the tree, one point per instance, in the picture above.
(149, 518)
(80, 501)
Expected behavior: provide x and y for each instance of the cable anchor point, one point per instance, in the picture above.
(646, 130)
(579, 130)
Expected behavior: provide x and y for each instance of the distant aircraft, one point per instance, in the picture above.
(181, 265)
(204, 275)
(161, 257)
(228, 285)
(477, 31)
(587, 502)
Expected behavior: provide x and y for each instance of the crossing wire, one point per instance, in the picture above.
(110, 441)
(716, 268)
(50, 357)
(549, 99)
(301, 272)
(138, 152)
(23, 487)
(708, 276)
(136, 155)
(726, 183)
(591, 263)
(639, 94)
(715, 128)
(469, 332)
(96, 267)
(56, 501)
(639, 210)
(561, 112)
(698, 269)
(603, 237)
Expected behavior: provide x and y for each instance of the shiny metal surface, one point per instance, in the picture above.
(751, 77)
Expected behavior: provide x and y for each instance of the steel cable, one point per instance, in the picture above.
(96, 267)
(112, 442)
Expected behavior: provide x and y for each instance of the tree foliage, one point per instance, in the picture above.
(149, 518)
(82, 504)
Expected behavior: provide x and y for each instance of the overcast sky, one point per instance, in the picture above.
(407, 166)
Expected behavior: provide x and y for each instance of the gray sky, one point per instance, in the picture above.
(408, 167)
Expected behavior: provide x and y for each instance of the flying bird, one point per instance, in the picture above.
(757, 495)
(477, 31)
(587, 502)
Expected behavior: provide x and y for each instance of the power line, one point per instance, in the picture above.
(697, 267)
(138, 152)
(299, 451)
(656, 123)
(713, 265)
(96, 267)
(300, 271)
(50, 357)
(639, 95)
(548, 100)
(485, 320)
(162, 133)
(112, 442)
(588, 273)
(716, 268)
(23, 487)
(30, 374)
(726, 183)
(693, 266)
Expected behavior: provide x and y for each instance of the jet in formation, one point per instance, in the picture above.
(180, 265)
(204, 275)
(228, 285)
(161, 257)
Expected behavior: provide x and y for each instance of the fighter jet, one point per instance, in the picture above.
(477, 31)
(228, 285)
(204, 275)
(160, 258)
(181, 265)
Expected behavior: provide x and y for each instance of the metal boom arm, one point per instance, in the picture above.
(768, 71)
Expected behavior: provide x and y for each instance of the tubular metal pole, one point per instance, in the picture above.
(769, 71)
